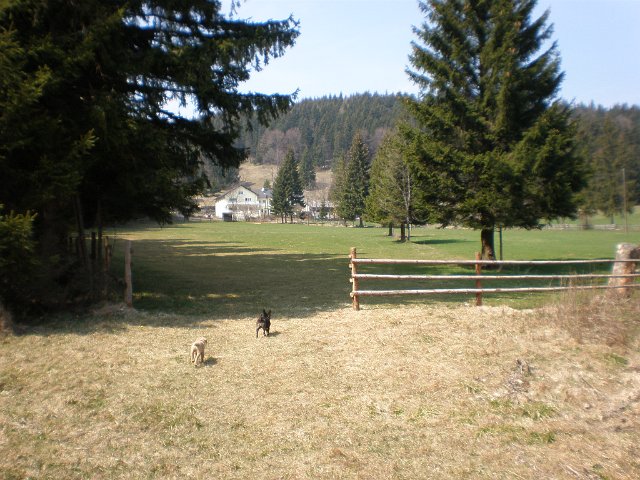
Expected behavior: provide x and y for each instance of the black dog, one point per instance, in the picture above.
(264, 323)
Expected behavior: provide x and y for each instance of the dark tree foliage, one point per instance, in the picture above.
(354, 186)
(338, 184)
(87, 131)
(391, 195)
(497, 147)
(287, 188)
(324, 127)
(609, 140)
(307, 169)
(17, 258)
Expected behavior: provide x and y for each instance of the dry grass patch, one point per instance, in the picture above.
(415, 392)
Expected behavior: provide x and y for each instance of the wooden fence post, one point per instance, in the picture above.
(624, 251)
(354, 281)
(478, 282)
(128, 292)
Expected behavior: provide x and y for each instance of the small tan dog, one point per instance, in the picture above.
(197, 351)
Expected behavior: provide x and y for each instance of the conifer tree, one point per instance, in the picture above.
(338, 185)
(610, 149)
(287, 188)
(497, 146)
(356, 187)
(390, 198)
(98, 138)
(88, 133)
(307, 170)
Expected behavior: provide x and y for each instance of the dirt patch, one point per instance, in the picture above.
(415, 392)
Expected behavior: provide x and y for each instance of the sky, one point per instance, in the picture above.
(357, 46)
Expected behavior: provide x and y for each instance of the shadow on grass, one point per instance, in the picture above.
(215, 281)
(440, 241)
(184, 283)
(271, 334)
(209, 362)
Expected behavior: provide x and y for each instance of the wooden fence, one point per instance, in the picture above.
(622, 277)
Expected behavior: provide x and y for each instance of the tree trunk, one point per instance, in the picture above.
(624, 251)
(391, 229)
(82, 247)
(100, 229)
(488, 245)
(403, 236)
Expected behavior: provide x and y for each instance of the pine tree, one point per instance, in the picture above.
(497, 146)
(338, 186)
(86, 90)
(608, 144)
(307, 170)
(356, 187)
(103, 127)
(392, 187)
(287, 188)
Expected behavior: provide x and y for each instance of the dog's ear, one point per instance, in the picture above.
(268, 313)
(264, 311)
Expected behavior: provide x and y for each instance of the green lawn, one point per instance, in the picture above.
(235, 269)
(632, 220)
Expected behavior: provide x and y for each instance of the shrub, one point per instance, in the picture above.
(17, 257)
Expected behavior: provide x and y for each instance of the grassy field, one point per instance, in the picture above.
(424, 390)
(235, 269)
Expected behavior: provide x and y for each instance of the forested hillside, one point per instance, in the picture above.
(323, 128)
(609, 141)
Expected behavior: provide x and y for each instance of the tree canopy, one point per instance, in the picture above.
(90, 129)
(351, 180)
(100, 82)
(609, 140)
(392, 183)
(325, 127)
(496, 144)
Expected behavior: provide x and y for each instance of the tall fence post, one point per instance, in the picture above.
(354, 281)
(128, 292)
(624, 251)
(478, 282)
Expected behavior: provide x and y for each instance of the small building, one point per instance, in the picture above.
(244, 202)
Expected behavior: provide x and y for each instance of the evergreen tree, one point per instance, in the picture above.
(390, 198)
(287, 188)
(338, 186)
(497, 147)
(326, 127)
(356, 188)
(610, 142)
(307, 170)
(86, 89)
(17, 259)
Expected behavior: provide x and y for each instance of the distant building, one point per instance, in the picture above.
(244, 202)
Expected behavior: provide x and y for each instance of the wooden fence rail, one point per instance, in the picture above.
(615, 280)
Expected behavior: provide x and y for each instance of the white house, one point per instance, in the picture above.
(244, 202)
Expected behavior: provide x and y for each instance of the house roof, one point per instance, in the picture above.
(261, 193)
